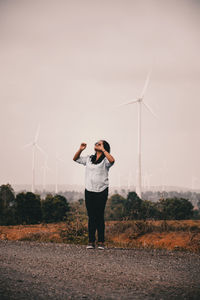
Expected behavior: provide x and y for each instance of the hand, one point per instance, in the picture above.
(101, 147)
(83, 146)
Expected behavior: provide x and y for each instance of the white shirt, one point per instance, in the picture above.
(96, 175)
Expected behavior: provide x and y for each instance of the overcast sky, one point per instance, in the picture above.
(67, 64)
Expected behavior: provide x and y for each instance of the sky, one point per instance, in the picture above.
(66, 65)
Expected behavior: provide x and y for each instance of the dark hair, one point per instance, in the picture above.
(93, 157)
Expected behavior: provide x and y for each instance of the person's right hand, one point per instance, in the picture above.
(83, 146)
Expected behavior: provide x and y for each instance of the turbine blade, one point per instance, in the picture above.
(148, 107)
(129, 102)
(146, 84)
(27, 145)
(41, 150)
(37, 133)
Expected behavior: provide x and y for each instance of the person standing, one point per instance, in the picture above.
(96, 188)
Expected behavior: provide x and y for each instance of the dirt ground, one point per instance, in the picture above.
(32, 270)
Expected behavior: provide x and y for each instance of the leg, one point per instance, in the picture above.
(101, 203)
(89, 202)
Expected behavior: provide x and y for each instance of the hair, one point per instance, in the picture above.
(94, 156)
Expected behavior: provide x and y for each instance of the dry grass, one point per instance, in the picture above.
(171, 235)
(53, 232)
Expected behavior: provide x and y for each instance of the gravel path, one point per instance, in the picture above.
(32, 270)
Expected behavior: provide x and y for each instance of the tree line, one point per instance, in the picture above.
(29, 208)
(134, 208)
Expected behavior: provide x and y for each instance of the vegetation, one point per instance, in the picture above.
(130, 221)
(133, 208)
(29, 208)
(171, 234)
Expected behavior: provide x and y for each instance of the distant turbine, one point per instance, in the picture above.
(45, 168)
(129, 180)
(140, 101)
(164, 171)
(146, 180)
(57, 161)
(194, 180)
(35, 145)
(119, 181)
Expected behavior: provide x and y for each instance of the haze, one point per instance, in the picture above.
(67, 64)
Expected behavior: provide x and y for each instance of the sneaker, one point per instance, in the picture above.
(90, 246)
(101, 245)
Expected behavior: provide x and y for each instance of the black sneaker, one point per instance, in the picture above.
(101, 245)
(91, 246)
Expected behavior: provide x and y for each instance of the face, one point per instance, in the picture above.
(96, 145)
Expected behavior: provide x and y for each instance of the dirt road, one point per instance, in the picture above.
(32, 270)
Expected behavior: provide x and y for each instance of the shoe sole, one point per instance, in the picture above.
(89, 247)
(102, 248)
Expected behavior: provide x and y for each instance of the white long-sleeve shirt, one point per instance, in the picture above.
(96, 175)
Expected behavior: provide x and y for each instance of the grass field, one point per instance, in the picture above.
(171, 234)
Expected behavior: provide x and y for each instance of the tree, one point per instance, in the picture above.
(115, 207)
(133, 206)
(7, 200)
(54, 208)
(148, 210)
(7, 196)
(28, 208)
(176, 208)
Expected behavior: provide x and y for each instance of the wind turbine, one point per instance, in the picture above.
(58, 159)
(140, 101)
(194, 181)
(146, 180)
(45, 168)
(34, 146)
(164, 175)
(129, 180)
(119, 181)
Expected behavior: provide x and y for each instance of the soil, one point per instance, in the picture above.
(33, 270)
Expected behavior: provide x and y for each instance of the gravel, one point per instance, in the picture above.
(32, 270)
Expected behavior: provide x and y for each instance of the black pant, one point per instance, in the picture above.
(95, 203)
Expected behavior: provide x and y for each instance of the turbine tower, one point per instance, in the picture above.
(58, 159)
(129, 180)
(194, 181)
(140, 101)
(119, 182)
(45, 168)
(146, 180)
(34, 146)
(164, 175)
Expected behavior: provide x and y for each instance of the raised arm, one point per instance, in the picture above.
(106, 153)
(109, 156)
(77, 154)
